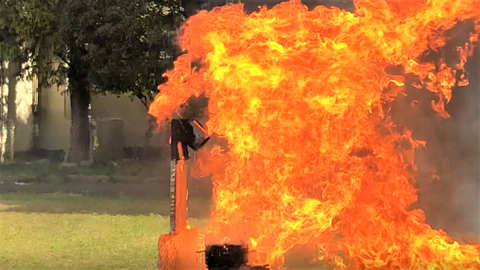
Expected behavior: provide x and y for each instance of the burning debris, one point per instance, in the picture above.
(303, 99)
(218, 257)
(231, 257)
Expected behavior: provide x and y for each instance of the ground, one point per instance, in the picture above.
(66, 231)
(99, 217)
(55, 217)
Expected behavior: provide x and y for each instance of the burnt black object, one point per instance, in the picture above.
(225, 257)
(229, 257)
(188, 132)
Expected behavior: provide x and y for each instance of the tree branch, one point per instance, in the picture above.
(142, 99)
(65, 60)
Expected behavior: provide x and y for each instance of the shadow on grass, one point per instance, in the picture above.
(42, 168)
(66, 203)
(197, 189)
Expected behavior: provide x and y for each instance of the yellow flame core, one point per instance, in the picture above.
(299, 95)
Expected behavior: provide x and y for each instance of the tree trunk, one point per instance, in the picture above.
(36, 110)
(13, 72)
(80, 128)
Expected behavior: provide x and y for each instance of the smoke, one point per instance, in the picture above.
(465, 133)
(453, 147)
(196, 107)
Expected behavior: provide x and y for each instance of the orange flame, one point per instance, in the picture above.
(313, 156)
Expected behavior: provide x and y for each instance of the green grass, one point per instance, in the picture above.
(64, 231)
(59, 203)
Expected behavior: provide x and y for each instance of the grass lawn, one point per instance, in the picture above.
(60, 231)
(65, 231)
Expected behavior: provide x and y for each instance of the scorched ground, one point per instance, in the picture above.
(303, 99)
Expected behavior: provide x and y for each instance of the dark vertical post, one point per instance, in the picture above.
(173, 175)
(178, 175)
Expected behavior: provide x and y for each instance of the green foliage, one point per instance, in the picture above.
(121, 47)
(132, 45)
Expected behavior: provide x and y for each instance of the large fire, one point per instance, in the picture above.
(302, 97)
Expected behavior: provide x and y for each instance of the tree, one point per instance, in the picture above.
(10, 68)
(96, 46)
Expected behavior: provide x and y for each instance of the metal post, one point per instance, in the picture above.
(178, 175)
(181, 213)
